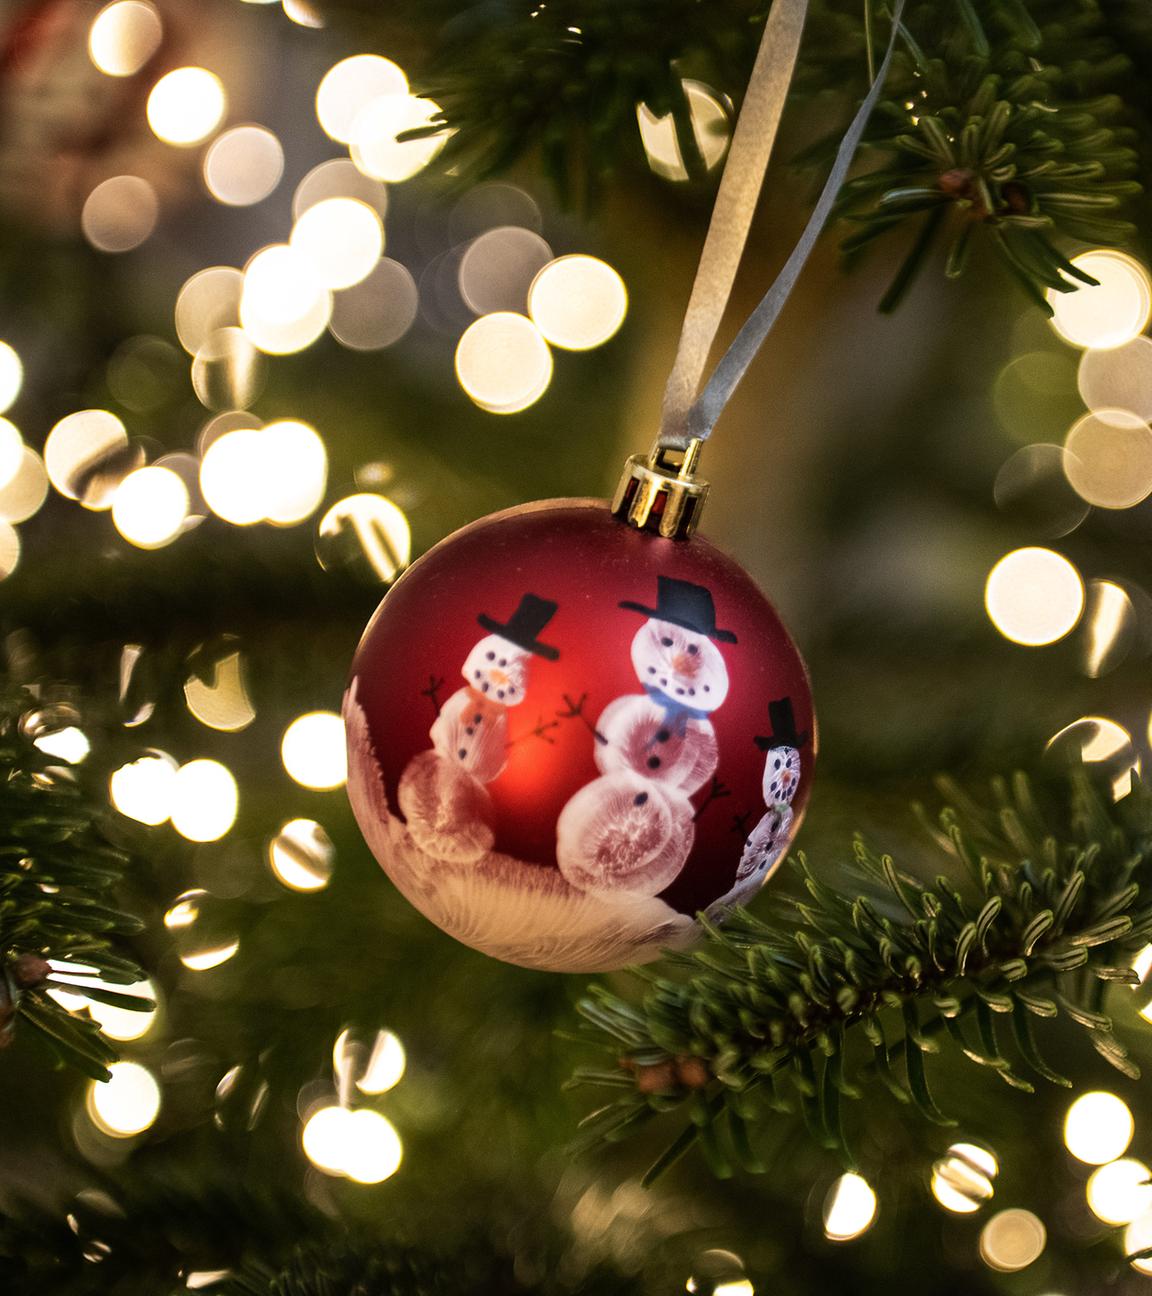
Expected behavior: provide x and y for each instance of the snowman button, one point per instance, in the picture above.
(662, 735)
(469, 731)
(653, 762)
(462, 752)
(640, 798)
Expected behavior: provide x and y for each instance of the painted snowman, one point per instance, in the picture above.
(442, 792)
(766, 842)
(631, 829)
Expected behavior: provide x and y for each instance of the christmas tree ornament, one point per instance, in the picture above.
(574, 726)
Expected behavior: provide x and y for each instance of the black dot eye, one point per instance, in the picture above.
(666, 642)
(469, 731)
(707, 688)
(511, 688)
(663, 680)
(500, 693)
(477, 719)
(693, 648)
(679, 692)
(491, 656)
(653, 762)
(461, 753)
(503, 661)
(691, 692)
(662, 735)
(640, 798)
(651, 670)
(485, 686)
(475, 674)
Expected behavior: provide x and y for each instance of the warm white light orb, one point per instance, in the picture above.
(124, 36)
(1108, 458)
(69, 744)
(301, 855)
(205, 800)
(208, 301)
(233, 477)
(120, 213)
(77, 444)
(1012, 1240)
(503, 362)
(351, 85)
(143, 790)
(342, 238)
(381, 1070)
(374, 1150)
(116, 1022)
(11, 452)
(849, 1208)
(150, 507)
(1098, 1128)
(365, 530)
(710, 128)
(379, 310)
(313, 750)
(126, 1105)
(26, 492)
(578, 302)
(1120, 1191)
(11, 376)
(1034, 596)
(297, 472)
(1110, 314)
(285, 305)
(378, 152)
(1138, 1237)
(243, 165)
(186, 106)
(326, 1137)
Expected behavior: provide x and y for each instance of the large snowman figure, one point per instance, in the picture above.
(631, 829)
(442, 793)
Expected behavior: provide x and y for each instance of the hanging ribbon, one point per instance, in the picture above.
(686, 415)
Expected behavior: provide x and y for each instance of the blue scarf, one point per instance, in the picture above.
(676, 713)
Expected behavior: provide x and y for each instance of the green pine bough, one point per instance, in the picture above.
(1041, 902)
(57, 923)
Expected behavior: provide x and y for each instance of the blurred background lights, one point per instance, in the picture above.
(1034, 596)
(221, 702)
(243, 165)
(228, 371)
(338, 178)
(1110, 314)
(503, 363)
(1137, 1238)
(313, 751)
(127, 1104)
(1120, 378)
(232, 476)
(68, 744)
(150, 507)
(116, 1022)
(498, 267)
(374, 145)
(301, 855)
(578, 302)
(119, 214)
(962, 1179)
(144, 789)
(351, 85)
(710, 129)
(285, 305)
(718, 1273)
(342, 238)
(1120, 1191)
(11, 451)
(11, 376)
(9, 549)
(361, 1145)
(302, 13)
(83, 455)
(1098, 1128)
(124, 36)
(204, 801)
(1033, 489)
(208, 301)
(186, 106)
(297, 472)
(367, 534)
(1012, 1240)
(378, 311)
(1110, 621)
(1108, 458)
(1096, 740)
(374, 1064)
(849, 1208)
(202, 930)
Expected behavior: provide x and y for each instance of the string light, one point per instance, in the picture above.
(1137, 1238)
(208, 301)
(503, 363)
(375, 1068)
(378, 311)
(1108, 459)
(1034, 596)
(243, 165)
(144, 789)
(204, 937)
(11, 376)
(27, 491)
(361, 1145)
(76, 448)
(710, 129)
(1109, 621)
(284, 305)
(313, 750)
(1098, 1128)
(849, 1208)
(342, 238)
(1111, 314)
(297, 472)
(205, 801)
(962, 1180)
(1120, 1191)
(365, 532)
(1118, 379)
(68, 744)
(119, 214)
(11, 451)
(1012, 1240)
(230, 476)
(116, 1022)
(186, 106)
(1096, 740)
(338, 178)
(228, 371)
(498, 267)
(375, 146)
(124, 36)
(301, 855)
(9, 550)
(350, 86)
(223, 702)
(578, 302)
(150, 507)
(126, 1104)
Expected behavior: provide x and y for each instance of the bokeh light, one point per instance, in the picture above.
(116, 1022)
(1096, 740)
(350, 86)
(503, 363)
(1098, 1127)
(150, 507)
(202, 929)
(1108, 458)
(9, 550)
(302, 13)
(362, 1145)
(301, 855)
(1110, 624)
(120, 213)
(285, 305)
(205, 801)
(208, 301)
(26, 492)
(1120, 1191)
(1111, 314)
(232, 475)
(710, 129)
(1034, 596)
(338, 178)
(11, 376)
(243, 165)
(342, 238)
(1035, 397)
(145, 788)
(1138, 1237)
(124, 36)
(127, 1104)
(374, 1065)
(221, 703)
(1033, 489)
(962, 1179)
(145, 373)
(313, 750)
(297, 472)
(367, 534)
(374, 145)
(1120, 378)
(1012, 1240)
(378, 311)
(186, 106)
(578, 302)
(849, 1208)
(87, 456)
(68, 744)
(11, 451)
(228, 371)
(497, 269)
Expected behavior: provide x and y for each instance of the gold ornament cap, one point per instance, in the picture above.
(659, 492)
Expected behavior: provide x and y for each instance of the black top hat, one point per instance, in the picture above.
(526, 622)
(783, 724)
(684, 604)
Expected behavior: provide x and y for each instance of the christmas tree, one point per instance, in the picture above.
(289, 293)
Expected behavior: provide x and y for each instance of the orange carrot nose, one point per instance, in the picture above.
(498, 676)
(686, 663)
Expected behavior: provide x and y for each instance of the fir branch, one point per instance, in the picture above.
(56, 872)
(1040, 902)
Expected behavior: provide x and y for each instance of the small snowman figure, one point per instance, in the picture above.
(768, 840)
(632, 828)
(442, 793)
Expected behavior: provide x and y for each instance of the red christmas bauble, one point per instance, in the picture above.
(567, 737)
